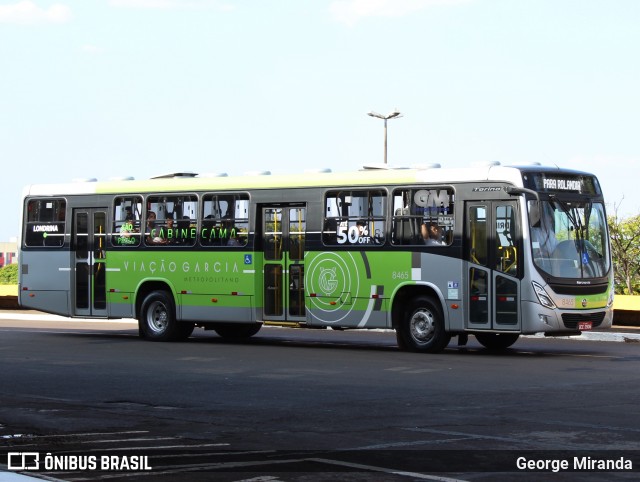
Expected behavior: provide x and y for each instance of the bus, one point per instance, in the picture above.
(491, 251)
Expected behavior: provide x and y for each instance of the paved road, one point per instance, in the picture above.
(308, 405)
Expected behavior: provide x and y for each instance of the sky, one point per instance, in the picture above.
(111, 88)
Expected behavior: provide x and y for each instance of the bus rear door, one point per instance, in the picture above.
(283, 237)
(494, 261)
(89, 256)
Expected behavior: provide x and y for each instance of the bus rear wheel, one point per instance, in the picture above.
(422, 327)
(497, 341)
(157, 319)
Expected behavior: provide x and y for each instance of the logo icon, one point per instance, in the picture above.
(327, 280)
(23, 460)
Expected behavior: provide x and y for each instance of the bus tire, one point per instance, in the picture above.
(497, 341)
(157, 320)
(422, 327)
(237, 331)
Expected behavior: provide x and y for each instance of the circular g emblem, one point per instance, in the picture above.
(334, 280)
(327, 280)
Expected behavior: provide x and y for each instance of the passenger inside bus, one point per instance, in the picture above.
(234, 241)
(432, 234)
(166, 234)
(127, 227)
(152, 235)
(231, 232)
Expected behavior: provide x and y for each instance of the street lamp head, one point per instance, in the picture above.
(392, 115)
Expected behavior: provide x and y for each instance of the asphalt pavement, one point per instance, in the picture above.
(627, 334)
(619, 333)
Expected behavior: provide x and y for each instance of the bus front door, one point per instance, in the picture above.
(494, 257)
(88, 252)
(283, 237)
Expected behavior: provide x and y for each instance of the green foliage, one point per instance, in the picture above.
(625, 250)
(9, 274)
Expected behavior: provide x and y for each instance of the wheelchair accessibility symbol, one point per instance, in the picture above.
(248, 259)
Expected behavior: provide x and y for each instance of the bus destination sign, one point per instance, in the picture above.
(551, 182)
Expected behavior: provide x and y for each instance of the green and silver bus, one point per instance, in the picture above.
(491, 251)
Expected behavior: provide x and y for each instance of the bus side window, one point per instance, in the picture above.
(225, 220)
(45, 222)
(417, 207)
(355, 218)
(126, 221)
(171, 220)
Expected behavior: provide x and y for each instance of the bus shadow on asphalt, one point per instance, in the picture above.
(347, 341)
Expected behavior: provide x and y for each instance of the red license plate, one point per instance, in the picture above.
(585, 325)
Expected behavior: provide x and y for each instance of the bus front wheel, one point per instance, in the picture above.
(157, 320)
(422, 327)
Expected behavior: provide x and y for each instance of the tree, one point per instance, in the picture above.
(625, 250)
(9, 274)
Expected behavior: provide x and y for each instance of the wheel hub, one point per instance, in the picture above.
(422, 326)
(158, 318)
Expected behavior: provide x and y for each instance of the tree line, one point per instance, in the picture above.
(625, 251)
(9, 274)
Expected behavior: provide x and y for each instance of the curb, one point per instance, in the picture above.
(617, 336)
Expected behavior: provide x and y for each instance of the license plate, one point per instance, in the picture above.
(585, 325)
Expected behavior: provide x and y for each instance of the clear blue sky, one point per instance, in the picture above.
(106, 88)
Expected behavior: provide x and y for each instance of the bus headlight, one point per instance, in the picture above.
(544, 299)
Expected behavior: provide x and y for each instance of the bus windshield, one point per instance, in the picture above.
(569, 238)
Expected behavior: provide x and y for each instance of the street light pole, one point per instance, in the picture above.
(393, 115)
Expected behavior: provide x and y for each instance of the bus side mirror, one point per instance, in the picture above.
(534, 206)
(534, 213)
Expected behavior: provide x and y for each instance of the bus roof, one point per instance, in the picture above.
(376, 175)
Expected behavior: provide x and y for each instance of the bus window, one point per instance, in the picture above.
(171, 220)
(45, 222)
(506, 255)
(273, 243)
(127, 212)
(355, 217)
(297, 229)
(478, 235)
(225, 220)
(423, 216)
